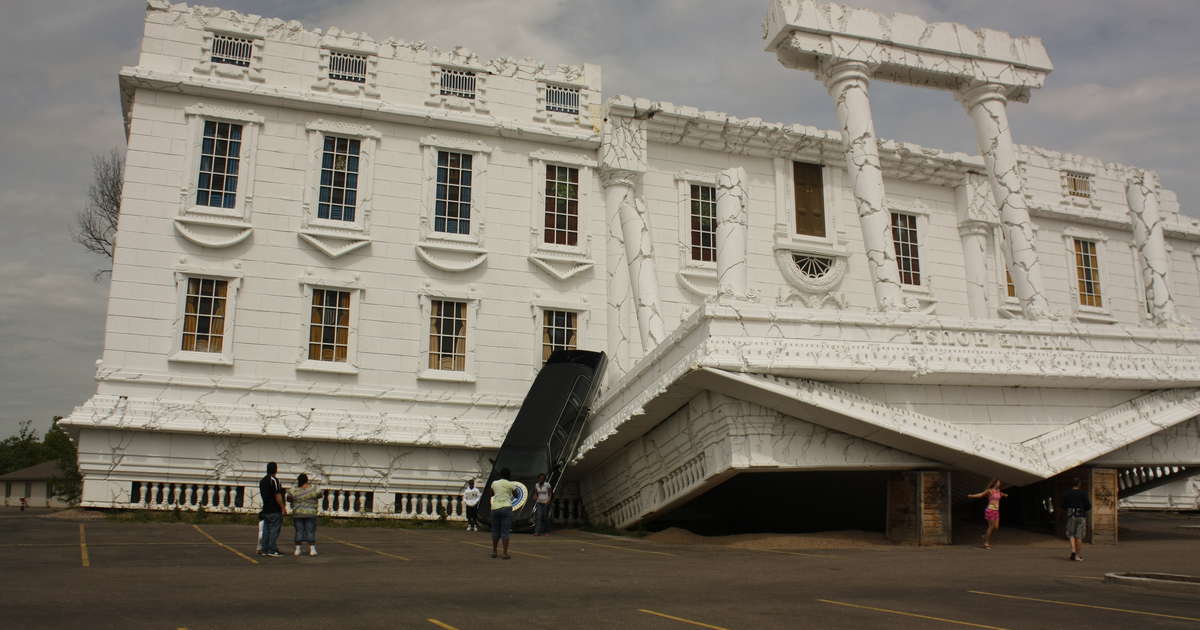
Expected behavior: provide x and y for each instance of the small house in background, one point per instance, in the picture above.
(34, 485)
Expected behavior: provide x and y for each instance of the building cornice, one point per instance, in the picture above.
(136, 78)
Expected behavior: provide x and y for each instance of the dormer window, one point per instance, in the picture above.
(562, 99)
(347, 67)
(459, 83)
(1079, 185)
(236, 51)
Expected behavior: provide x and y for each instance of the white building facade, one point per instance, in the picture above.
(351, 257)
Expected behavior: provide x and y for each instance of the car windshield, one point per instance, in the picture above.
(524, 463)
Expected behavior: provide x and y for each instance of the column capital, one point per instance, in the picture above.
(972, 227)
(618, 177)
(836, 71)
(1144, 178)
(979, 93)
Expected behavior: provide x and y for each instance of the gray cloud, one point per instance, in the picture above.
(1124, 89)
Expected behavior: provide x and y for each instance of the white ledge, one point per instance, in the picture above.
(332, 367)
(451, 255)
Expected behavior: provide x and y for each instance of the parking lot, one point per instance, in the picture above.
(104, 574)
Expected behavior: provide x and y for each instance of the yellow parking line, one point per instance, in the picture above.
(908, 614)
(227, 547)
(588, 542)
(350, 544)
(520, 553)
(681, 619)
(1078, 605)
(441, 624)
(83, 552)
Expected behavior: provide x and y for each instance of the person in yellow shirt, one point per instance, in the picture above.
(502, 513)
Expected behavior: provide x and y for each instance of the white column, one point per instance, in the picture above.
(975, 245)
(987, 106)
(622, 161)
(847, 82)
(1142, 192)
(733, 202)
(617, 186)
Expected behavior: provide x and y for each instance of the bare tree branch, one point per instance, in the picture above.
(96, 224)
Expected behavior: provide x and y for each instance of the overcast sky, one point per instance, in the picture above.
(1125, 88)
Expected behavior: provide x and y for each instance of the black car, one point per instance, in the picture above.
(547, 430)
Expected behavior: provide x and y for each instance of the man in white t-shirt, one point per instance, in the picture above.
(541, 509)
(471, 496)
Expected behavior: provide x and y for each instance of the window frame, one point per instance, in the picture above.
(683, 183)
(1078, 171)
(920, 222)
(1083, 312)
(195, 116)
(356, 291)
(786, 235)
(537, 310)
(471, 299)
(368, 139)
(582, 118)
(538, 161)
(181, 276)
(480, 152)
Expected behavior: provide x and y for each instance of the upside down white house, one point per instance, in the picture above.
(350, 256)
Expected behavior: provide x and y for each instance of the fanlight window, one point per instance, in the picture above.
(813, 267)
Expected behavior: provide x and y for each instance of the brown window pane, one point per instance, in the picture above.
(810, 199)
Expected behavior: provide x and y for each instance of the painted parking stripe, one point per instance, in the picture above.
(1078, 605)
(376, 551)
(226, 547)
(619, 547)
(909, 614)
(441, 624)
(83, 552)
(681, 619)
(520, 553)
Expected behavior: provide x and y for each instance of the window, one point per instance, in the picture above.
(28, 489)
(562, 99)
(236, 51)
(339, 179)
(813, 267)
(562, 205)
(560, 330)
(908, 255)
(810, 199)
(448, 335)
(458, 83)
(347, 67)
(7, 489)
(329, 326)
(1087, 272)
(204, 315)
(1078, 184)
(220, 155)
(452, 205)
(703, 223)
(1010, 288)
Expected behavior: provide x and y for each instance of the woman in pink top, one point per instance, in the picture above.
(992, 513)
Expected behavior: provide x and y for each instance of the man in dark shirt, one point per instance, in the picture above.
(1077, 505)
(272, 512)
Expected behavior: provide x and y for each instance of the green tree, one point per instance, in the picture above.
(58, 445)
(21, 450)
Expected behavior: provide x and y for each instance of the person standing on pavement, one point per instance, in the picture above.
(992, 513)
(502, 513)
(471, 496)
(1077, 505)
(541, 509)
(273, 511)
(304, 499)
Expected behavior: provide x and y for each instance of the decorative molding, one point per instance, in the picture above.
(185, 225)
(451, 256)
(369, 88)
(343, 127)
(226, 112)
(323, 240)
(579, 160)
(699, 281)
(560, 265)
(453, 143)
(206, 66)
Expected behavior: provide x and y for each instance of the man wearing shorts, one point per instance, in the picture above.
(502, 514)
(1077, 505)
